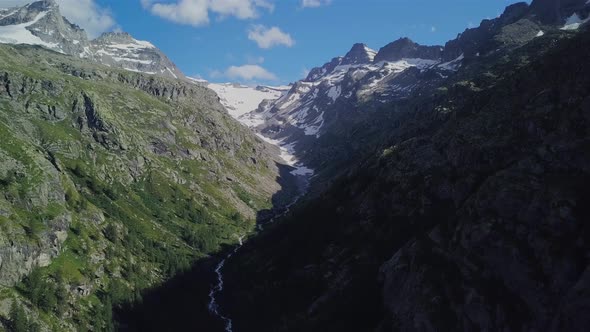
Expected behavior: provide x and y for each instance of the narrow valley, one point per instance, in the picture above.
(367, 166)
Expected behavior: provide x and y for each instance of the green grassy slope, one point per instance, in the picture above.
(111, 182)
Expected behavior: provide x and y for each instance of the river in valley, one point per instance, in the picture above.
(302, 176)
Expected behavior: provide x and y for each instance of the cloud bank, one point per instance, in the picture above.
(269, 37)
(196, 12)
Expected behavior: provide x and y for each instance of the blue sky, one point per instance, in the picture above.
(210, 38)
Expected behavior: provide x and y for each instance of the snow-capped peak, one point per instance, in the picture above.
(20, 33)
(359, 54)
(122, 40)
(41, 23)
(120, 49)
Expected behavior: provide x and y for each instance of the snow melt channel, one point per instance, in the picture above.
(288, 155)
(240, 101)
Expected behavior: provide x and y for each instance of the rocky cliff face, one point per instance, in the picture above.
(405, 48)
(121, 50)
(553, 12)
(359, 54)
(41, 23)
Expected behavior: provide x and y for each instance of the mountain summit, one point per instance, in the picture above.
(41, 23)
(359, 54)
(345, 88)
(557, 11)
(120, 49)
(406, 48)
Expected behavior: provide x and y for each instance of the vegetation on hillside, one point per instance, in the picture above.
(111, 183)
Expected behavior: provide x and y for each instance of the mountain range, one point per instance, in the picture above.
(41, 23)
(346, 88)
(410, 188)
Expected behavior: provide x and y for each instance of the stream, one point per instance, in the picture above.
(217, 289)
(303, 175)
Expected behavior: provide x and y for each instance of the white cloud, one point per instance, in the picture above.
(242, 9)
(192, 12)
(196, 12)
(245, 73)
(269, 37)
(314, 3)
(85, 13)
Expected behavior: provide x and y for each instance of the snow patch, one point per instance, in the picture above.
(139, 71)
(197, 80)
(315, 127)
(240, 99)
(171, 72)
(288, 155)
(136, 45)
(372, 53)
(453, 65)
(335, 92)
(143, 62)
(19, 34)
(574, 22)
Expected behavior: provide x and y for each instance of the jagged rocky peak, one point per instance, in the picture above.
(555, 12)
(120, 49)
(480, 40)
(359, 54)
(116, 37)
(120, 38)
(319, 72)
(512, 13)
(27, 13)
(518, 24)
(405, 48)
(41, 23)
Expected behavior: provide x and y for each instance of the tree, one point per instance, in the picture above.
(34, 286)
(61, 294)
(18, 318)
(111, 233)
(106, 314)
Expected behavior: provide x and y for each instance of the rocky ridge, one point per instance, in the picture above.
(348, 89)
(41, 23)
(106, 172)
(468, 215)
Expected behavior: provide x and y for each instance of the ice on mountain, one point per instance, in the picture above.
(19, 34)
(315, 127)
(452, 65)
(574, 22)
(240, 100)
(335, 92)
